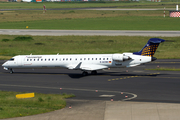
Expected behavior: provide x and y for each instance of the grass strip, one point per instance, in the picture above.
(41, 103)
(121, 4)
(165, 69)
(41, 45)
(89, 20)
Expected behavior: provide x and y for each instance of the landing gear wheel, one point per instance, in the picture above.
(94, 72)
(11, 71)
(85, 73)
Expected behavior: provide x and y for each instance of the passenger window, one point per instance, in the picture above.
(66, 58)
(60, 59)
(30, 59)
(103, 58)
(34, 59)
(45, 59)
(56, 59)
(41, 59)
(84, 58)
(52, 59)
(92, 58)
(37, 59)
(107, 58)
(27, 59)
(96, 58)
(63, 59)
(99, 58)
(70, 58)
(80, 58)
(76, 59)
(88, 58)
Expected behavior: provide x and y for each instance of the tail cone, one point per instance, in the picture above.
(153, 58)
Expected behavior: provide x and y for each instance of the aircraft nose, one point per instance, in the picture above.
(5, 64)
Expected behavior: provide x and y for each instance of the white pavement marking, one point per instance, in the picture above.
(106, 95)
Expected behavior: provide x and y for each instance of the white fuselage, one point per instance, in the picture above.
(83, 62)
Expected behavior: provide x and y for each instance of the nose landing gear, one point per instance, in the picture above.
(11, 71)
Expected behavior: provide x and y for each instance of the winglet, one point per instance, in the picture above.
(75, 67)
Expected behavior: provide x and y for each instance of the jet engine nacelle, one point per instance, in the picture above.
(120, 57)
(117, 57)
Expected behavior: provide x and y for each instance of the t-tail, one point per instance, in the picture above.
(150, 48)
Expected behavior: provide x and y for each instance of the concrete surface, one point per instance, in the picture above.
(110, 110)
(89, 32)
(141, 111)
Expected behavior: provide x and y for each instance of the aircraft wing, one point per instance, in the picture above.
(93, 67)
(85, 67)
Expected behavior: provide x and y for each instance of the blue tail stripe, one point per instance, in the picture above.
(150, 48)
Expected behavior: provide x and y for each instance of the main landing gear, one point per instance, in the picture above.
(85, 73)
(94, 72)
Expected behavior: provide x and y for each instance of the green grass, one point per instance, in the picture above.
(89, 20)
(124, 4)
(165, 69)
(86, 20)
(85, 45)
(35, 15)
(41, 103)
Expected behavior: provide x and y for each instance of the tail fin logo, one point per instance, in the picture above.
(150, 48)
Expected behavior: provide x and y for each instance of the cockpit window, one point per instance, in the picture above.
(12, 59)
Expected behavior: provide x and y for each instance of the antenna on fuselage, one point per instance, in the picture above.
(57, 53)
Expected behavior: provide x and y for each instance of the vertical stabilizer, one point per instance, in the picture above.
(150, 48)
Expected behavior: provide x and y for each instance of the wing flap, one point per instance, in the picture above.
(86, 67)
(75, 67)
(93, 67)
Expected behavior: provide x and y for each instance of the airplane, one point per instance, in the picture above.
(86, 62)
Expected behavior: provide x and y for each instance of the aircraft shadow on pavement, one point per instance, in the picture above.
(79, 75)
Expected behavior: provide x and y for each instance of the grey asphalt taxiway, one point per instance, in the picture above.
(157, 86)
(154, 92)
(89, 32)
